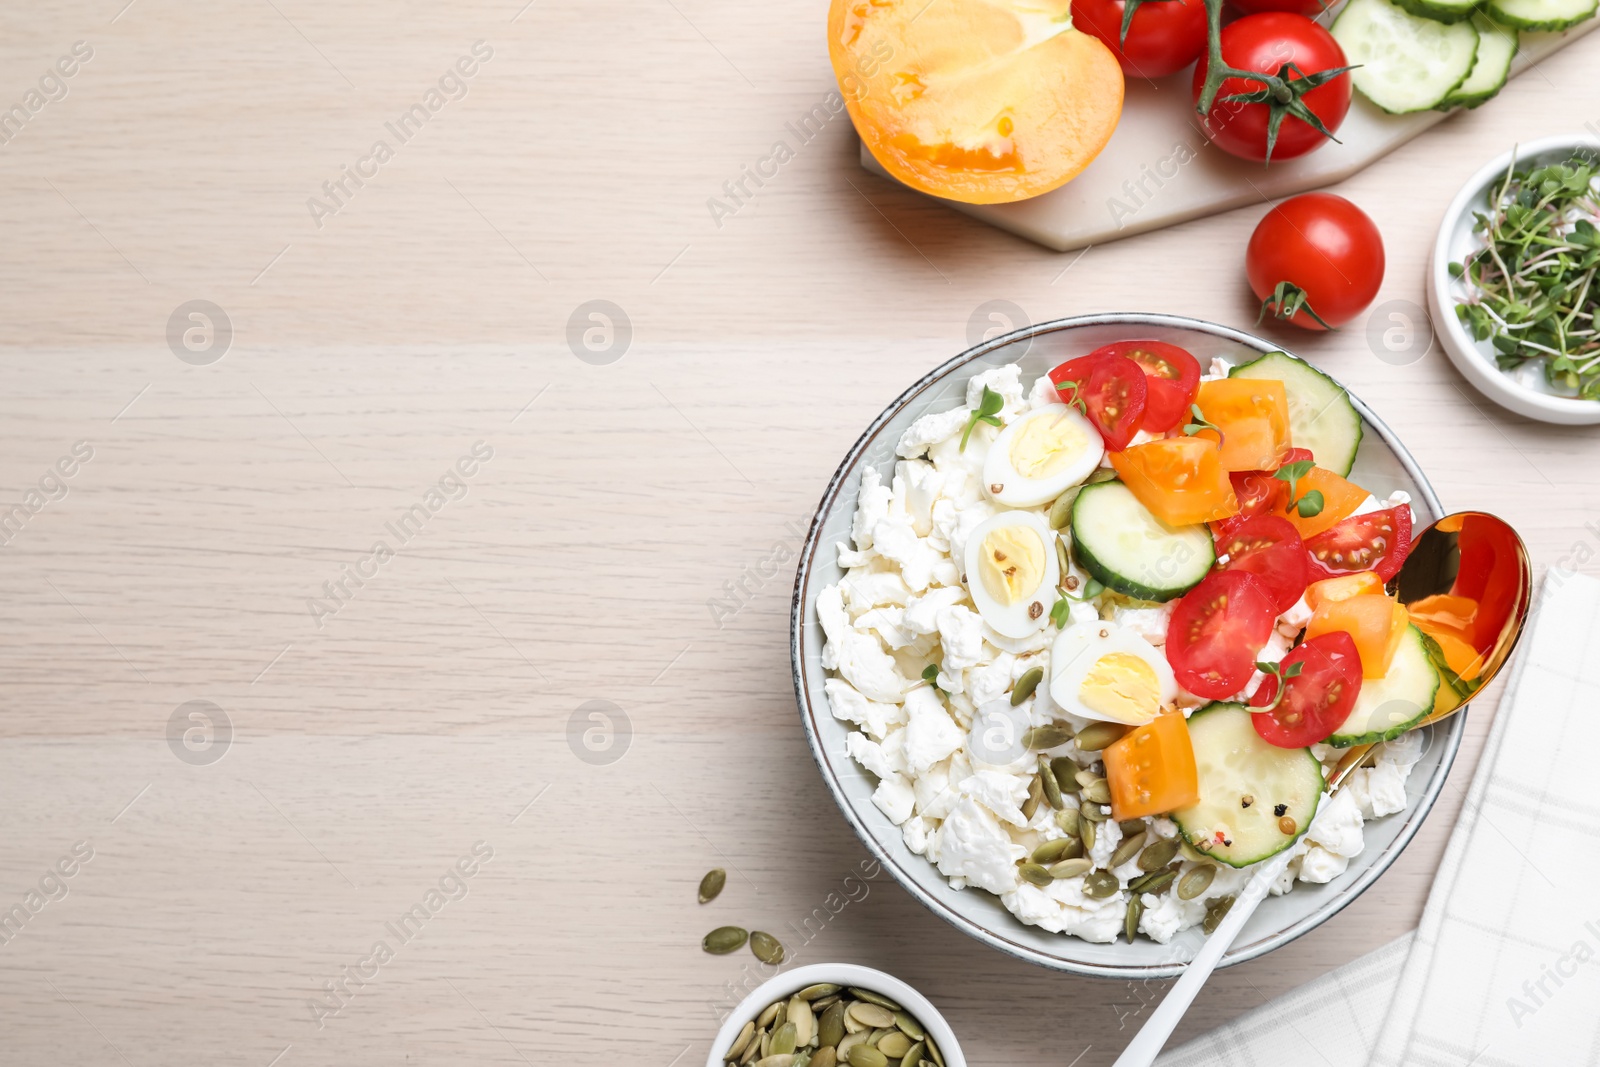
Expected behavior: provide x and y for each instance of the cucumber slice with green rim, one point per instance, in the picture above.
(1393, 704)
(1497, 47)
(1247, 788)
(1404, 62)
(1439, 10)
(1541, 14)
(1321, 417)
(1127, 549)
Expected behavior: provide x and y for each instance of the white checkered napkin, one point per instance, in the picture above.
(1505, 967)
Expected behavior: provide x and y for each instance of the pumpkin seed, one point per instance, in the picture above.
(878, 1035)
(1130, 921)
(1034, 873)
(818, 991)
(1197, 881)
(1071, 868)
(894, 1044)
(824, 1057)
(1099, 791)
(1098, 885)
(850, 1041)
(870, 1014)
(803, 1021)
(712, 884)
(1061, 510)
(1154, 882)
(1127, 849)
(822, 1004)
(933, 1050)
(784, 1039)
(770, 1013)
(1065, 768)
(724, 939)
(767, 948)
(1097, 735)
(1064, 561)
(1067, 819)
(1050, 851)
(830, 1028)
(1159, 854)
(1092, 812)
(1085, 777)
(1086, 833)
(1129, 827)
(1049, 736)
(1052, 791)
(741, 1042)
(1026, 685)
(750, 1053)
(1030, 807)
(909, 1026)
(781, 1059)
(913, 1055)
(867, 1056)
(1215, 913)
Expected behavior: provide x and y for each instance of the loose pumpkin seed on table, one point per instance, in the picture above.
(724, 939)
(767, 948)
(712, 884)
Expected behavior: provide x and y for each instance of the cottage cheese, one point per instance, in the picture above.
(952, 772)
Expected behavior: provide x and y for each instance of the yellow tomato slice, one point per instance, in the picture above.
(1151, 769)
(1342, 588)
(1374, 621)
(1253, 415)
(1340, 499)
(981, 101)
(1180, 479)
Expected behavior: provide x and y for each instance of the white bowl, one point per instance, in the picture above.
(1475, 359)
(1382, 465)
(847, 974)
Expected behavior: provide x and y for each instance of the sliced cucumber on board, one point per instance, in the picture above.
(1541, 14)
(1321, 417)
(1127, 549)
(1497, 47)
(1391, 705)
(1248, 787)
(1405, 62)
(1440, 10)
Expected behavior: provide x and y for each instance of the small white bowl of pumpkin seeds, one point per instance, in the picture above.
(835, 1015)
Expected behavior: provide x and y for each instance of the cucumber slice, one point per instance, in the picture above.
(1405, 63)
(1391, 705)
(1236, 766)
(1497, 47)
(1439, 10)
(1321, 417)
(1541, 14)
(1127, 549)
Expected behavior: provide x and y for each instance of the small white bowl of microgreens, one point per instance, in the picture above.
(828, 1014)
(1515, 280)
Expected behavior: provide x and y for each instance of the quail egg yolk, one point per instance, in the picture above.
(1123, 687)
(1044, 446)
(1012, 563)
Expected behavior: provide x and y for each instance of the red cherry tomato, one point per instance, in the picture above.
(1377, 541)
(1172, 378)
(1327, 248)
(1269, 548)
(1266, 43)
(1259, 493)
(1164, 37)
(1318, 699)
(1113, 392)
(1216, 631)
(1309, 8)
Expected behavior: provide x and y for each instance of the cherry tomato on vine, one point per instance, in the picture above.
(1164, 37)
(1266, 44)
(1316, 260)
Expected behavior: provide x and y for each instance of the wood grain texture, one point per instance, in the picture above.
(434, 707)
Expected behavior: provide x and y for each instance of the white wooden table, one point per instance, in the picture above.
(428, 706)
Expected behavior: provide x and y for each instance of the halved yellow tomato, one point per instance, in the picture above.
(1374, 621)
(1253, 415)
(1179, 479)
(1340, 498)
(981, 101)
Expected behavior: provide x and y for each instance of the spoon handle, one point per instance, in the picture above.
(1152, 1036)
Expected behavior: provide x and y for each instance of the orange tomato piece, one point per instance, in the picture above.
(1180, 479)
(1151, 768)
(1342, 588)
(984, 103)
(1374, 621)
(1253, 415)
(1339, 501)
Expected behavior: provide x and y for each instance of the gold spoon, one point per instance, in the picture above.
(1468, 585)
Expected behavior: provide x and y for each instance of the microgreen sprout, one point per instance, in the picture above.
(1283, 674)
(988, 411)
(1072, 396)
(1201, 423)
(930, 674)
(1312, 502)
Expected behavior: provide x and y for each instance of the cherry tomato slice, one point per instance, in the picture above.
(1319, 698)
(1112, 390)
(1269, 548)
(1259, 493)
(1377, 541)
(1216, 632)
(1172, 377)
